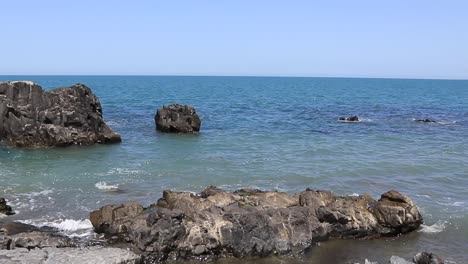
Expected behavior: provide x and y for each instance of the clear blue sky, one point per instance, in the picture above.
(398, 38)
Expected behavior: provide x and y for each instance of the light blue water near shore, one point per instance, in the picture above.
(267, 133)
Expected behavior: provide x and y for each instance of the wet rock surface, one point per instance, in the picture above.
(176, 118)
(247, 222)
(5, 208)
(32, 117)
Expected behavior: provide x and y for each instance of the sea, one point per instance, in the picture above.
(270, 133)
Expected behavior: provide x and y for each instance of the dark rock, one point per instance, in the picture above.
(17, 235)
(177, 118)
(425, 120)
(32, 117)
(350, 119)
(249, 222)
(427, 258)
(5, 208)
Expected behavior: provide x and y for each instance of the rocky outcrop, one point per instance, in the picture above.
(32, 117)
(17, 235)
(216, 223)
(5, 208)
(177, 118)
(349, 119)
(22, 243)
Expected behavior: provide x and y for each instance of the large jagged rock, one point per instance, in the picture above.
(176, 118)
(5, 208)
(216, 223)
(32, 117)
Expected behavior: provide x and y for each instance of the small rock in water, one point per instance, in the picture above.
(176, 118)
(350, 119)
(427, 120)
(5, 208)
(427, 258)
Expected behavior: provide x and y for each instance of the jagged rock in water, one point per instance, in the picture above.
(177, 118)
(427, 120)
(5, 208)
(32, 117)
(427, 258)
(216, 223)
(350, 119)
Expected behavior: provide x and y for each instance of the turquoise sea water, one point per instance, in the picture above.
(267, 133)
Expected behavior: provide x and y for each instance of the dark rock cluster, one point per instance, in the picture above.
(5, 208)
(216, 223)
(349, 119)
(32, 117)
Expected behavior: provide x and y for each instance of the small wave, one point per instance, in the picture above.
(454, 204)
(435, 228)
(354, 194)
(68, 227)
(104, 186)
(423, 195)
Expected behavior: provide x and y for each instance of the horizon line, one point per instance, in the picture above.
(251, 76)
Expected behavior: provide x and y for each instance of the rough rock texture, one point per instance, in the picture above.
(177, 118)
(5, 208)
(85, 255)
(22, 243)
(17, 235)
(427, 258)
(350, 119)
(215, 223)
(31, 117)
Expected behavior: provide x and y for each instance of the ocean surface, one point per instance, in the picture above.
(267, 133)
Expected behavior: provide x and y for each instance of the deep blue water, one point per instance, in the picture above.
(267, 133)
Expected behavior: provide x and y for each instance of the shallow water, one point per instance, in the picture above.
(267, 133)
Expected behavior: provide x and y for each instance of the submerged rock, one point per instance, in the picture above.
(350, 119)
(32, 117)
(425, 120)
(5, 208)
(216, 223)
(177, 118)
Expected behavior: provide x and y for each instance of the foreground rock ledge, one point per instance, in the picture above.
(216, 223)
(176, 118)
(32, 117)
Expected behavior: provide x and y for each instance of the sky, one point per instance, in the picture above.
(392, 39)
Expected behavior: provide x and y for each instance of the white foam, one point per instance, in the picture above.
(102, 185)
(26, 82)
(354, 194)
(68, 227)
(435, 228)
